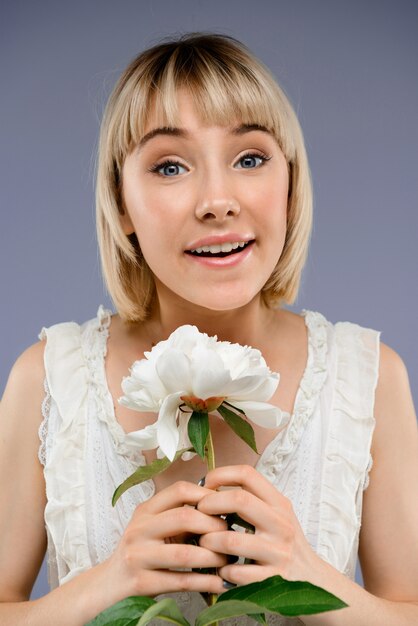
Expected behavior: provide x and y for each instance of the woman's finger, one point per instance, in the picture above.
(154, 582)
(176, 495)
(247, 505)
(184, 519)
(240, 574)
(181, 556)
(243, 476)
(240, 544)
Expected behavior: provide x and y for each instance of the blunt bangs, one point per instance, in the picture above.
(223, 87)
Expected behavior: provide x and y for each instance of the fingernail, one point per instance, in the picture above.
(227, 585)
(202, 481)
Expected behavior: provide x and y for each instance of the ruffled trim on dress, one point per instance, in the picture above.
(67, 378)
(347, 458)
(95, 334)
(307, 397)
(76, 384)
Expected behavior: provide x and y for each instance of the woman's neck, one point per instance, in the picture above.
(250, 324)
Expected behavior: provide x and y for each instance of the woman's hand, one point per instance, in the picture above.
(278, 545)
(149, 552)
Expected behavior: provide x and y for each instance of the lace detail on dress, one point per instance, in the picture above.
(43, 428)
(312, 382)
(104, 434)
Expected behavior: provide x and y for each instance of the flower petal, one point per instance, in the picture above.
(209, 375)
(143, 374)
(146, 438)
(139, 401)
(263, 414)
(257, 388)
(167, 431)
(250, 387)
(186, 337)
(173, 369)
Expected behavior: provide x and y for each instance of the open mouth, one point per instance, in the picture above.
(221, 250)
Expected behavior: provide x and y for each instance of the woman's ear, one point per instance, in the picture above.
(124, 217)
(125, 221)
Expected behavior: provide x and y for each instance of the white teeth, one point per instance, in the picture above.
(222, 247)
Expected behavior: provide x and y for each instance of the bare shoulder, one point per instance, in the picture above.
(392, 369)
(390, 507)
(393, 402)
(28, 372)
(20, 406)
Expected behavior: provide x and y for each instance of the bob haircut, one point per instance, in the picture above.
(226, 83)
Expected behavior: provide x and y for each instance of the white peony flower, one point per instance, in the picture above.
(190, 368)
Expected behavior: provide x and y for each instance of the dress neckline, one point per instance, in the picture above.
(310, 386)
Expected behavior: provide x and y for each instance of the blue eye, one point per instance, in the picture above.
(168, 169)
(252, 160)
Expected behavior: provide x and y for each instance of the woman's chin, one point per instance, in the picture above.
(207, 297)
(218, 302)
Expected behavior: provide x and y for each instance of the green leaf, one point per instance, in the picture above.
(198, 430)
(259, 617)
(145, 472)
(226, 403)
(223, 610)
(240, 426)
(127, 612)
(164, 609)
(290, 598)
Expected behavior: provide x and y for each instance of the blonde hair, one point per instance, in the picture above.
(226, 82)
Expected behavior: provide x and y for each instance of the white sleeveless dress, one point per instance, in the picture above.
(320, 461)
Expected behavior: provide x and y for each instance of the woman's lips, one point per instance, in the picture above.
(230, 259)
(219, 239)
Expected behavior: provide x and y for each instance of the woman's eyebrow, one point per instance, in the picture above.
(164, 130)
(181, 132)
(247, 128)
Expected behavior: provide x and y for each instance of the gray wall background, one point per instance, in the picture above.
(350, 68)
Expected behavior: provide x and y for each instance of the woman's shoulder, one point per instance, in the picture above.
(28, 371)
(393, 392)
(21, 404)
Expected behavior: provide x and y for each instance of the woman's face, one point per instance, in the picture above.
(208, 205)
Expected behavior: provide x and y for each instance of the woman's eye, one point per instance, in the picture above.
(250, 161)
(168, 168)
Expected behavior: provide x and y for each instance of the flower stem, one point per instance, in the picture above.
(210, 462)
(210, 452)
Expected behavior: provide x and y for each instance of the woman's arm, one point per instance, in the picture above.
(389, 533)
(389, 536)
(22, 503)
(142, 561)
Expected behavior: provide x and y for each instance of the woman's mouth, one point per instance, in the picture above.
(220, 250)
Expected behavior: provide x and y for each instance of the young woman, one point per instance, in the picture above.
(204, 214)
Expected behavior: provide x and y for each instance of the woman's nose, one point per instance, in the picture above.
(216, 203)
(218, 210)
